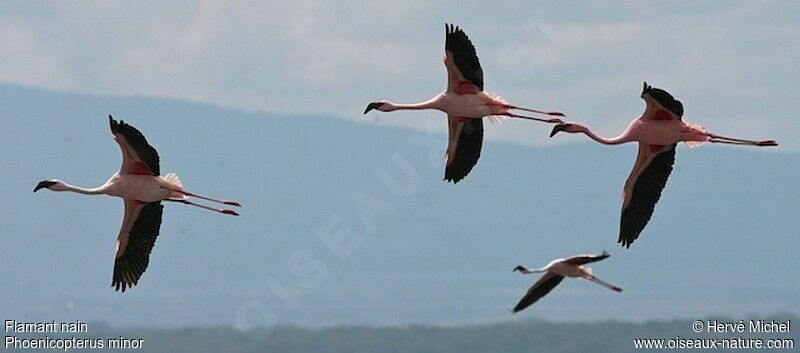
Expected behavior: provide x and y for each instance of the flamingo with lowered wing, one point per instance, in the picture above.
(140, 185)
(465, 103)
(658, 130)
(555, 272)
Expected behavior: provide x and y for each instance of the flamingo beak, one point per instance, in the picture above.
(559, 127)
(43, 184)
(373, 105)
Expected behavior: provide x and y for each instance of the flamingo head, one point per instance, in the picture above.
(383, 106)
(525, 270)
(566, 127)
(52, 184)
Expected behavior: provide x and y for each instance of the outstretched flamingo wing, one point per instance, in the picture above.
(661, 105)
(138, 157)
(643, 189)
(578, 260)
(140, 228)
(544, 285)
(464, 73)
(463, 147)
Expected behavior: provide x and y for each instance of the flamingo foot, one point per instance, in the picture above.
(230, 212)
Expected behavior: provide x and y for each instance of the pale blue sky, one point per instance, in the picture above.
(733, 64)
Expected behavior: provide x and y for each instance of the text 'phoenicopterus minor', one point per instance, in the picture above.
(658, 130)
(465, 103)
(555, 271)
(138, 183)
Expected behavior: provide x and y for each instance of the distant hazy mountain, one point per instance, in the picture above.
(350, 223)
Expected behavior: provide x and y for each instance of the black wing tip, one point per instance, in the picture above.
(121, 286)
(451, 28)
(521, 306)
(119, 123)
(454, 34)
(454, 176)
(626, 240)
(666, 99)
(453, 179)
(119, 282)
(116, 125)
(628, 232)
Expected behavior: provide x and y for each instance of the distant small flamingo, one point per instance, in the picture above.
(465, 103)
(138, 183)
(555, 271)
(658, 130)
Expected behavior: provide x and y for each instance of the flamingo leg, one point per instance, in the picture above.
(734, 141)
(550, 121)
(538, 111)
(714, 140)
(603, 283)
(226, 202)
(223, 211)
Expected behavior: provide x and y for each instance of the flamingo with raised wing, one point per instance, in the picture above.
(658, 130)
(139, 184)
(555, 271)
(465, 103)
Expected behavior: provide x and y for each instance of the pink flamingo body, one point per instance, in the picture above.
(555, 272)
(141, 187)
(657, 130)
(465, 103)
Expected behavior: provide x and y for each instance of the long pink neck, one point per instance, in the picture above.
(433, 103)
(96, 191)
(622, 138)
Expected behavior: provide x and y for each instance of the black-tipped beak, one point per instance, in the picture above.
(43, 184)
(557, 128)
(373, 105)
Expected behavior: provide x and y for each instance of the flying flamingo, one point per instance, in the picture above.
(465, 103)
(658, 130)
(138, 183)
(555, 271)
